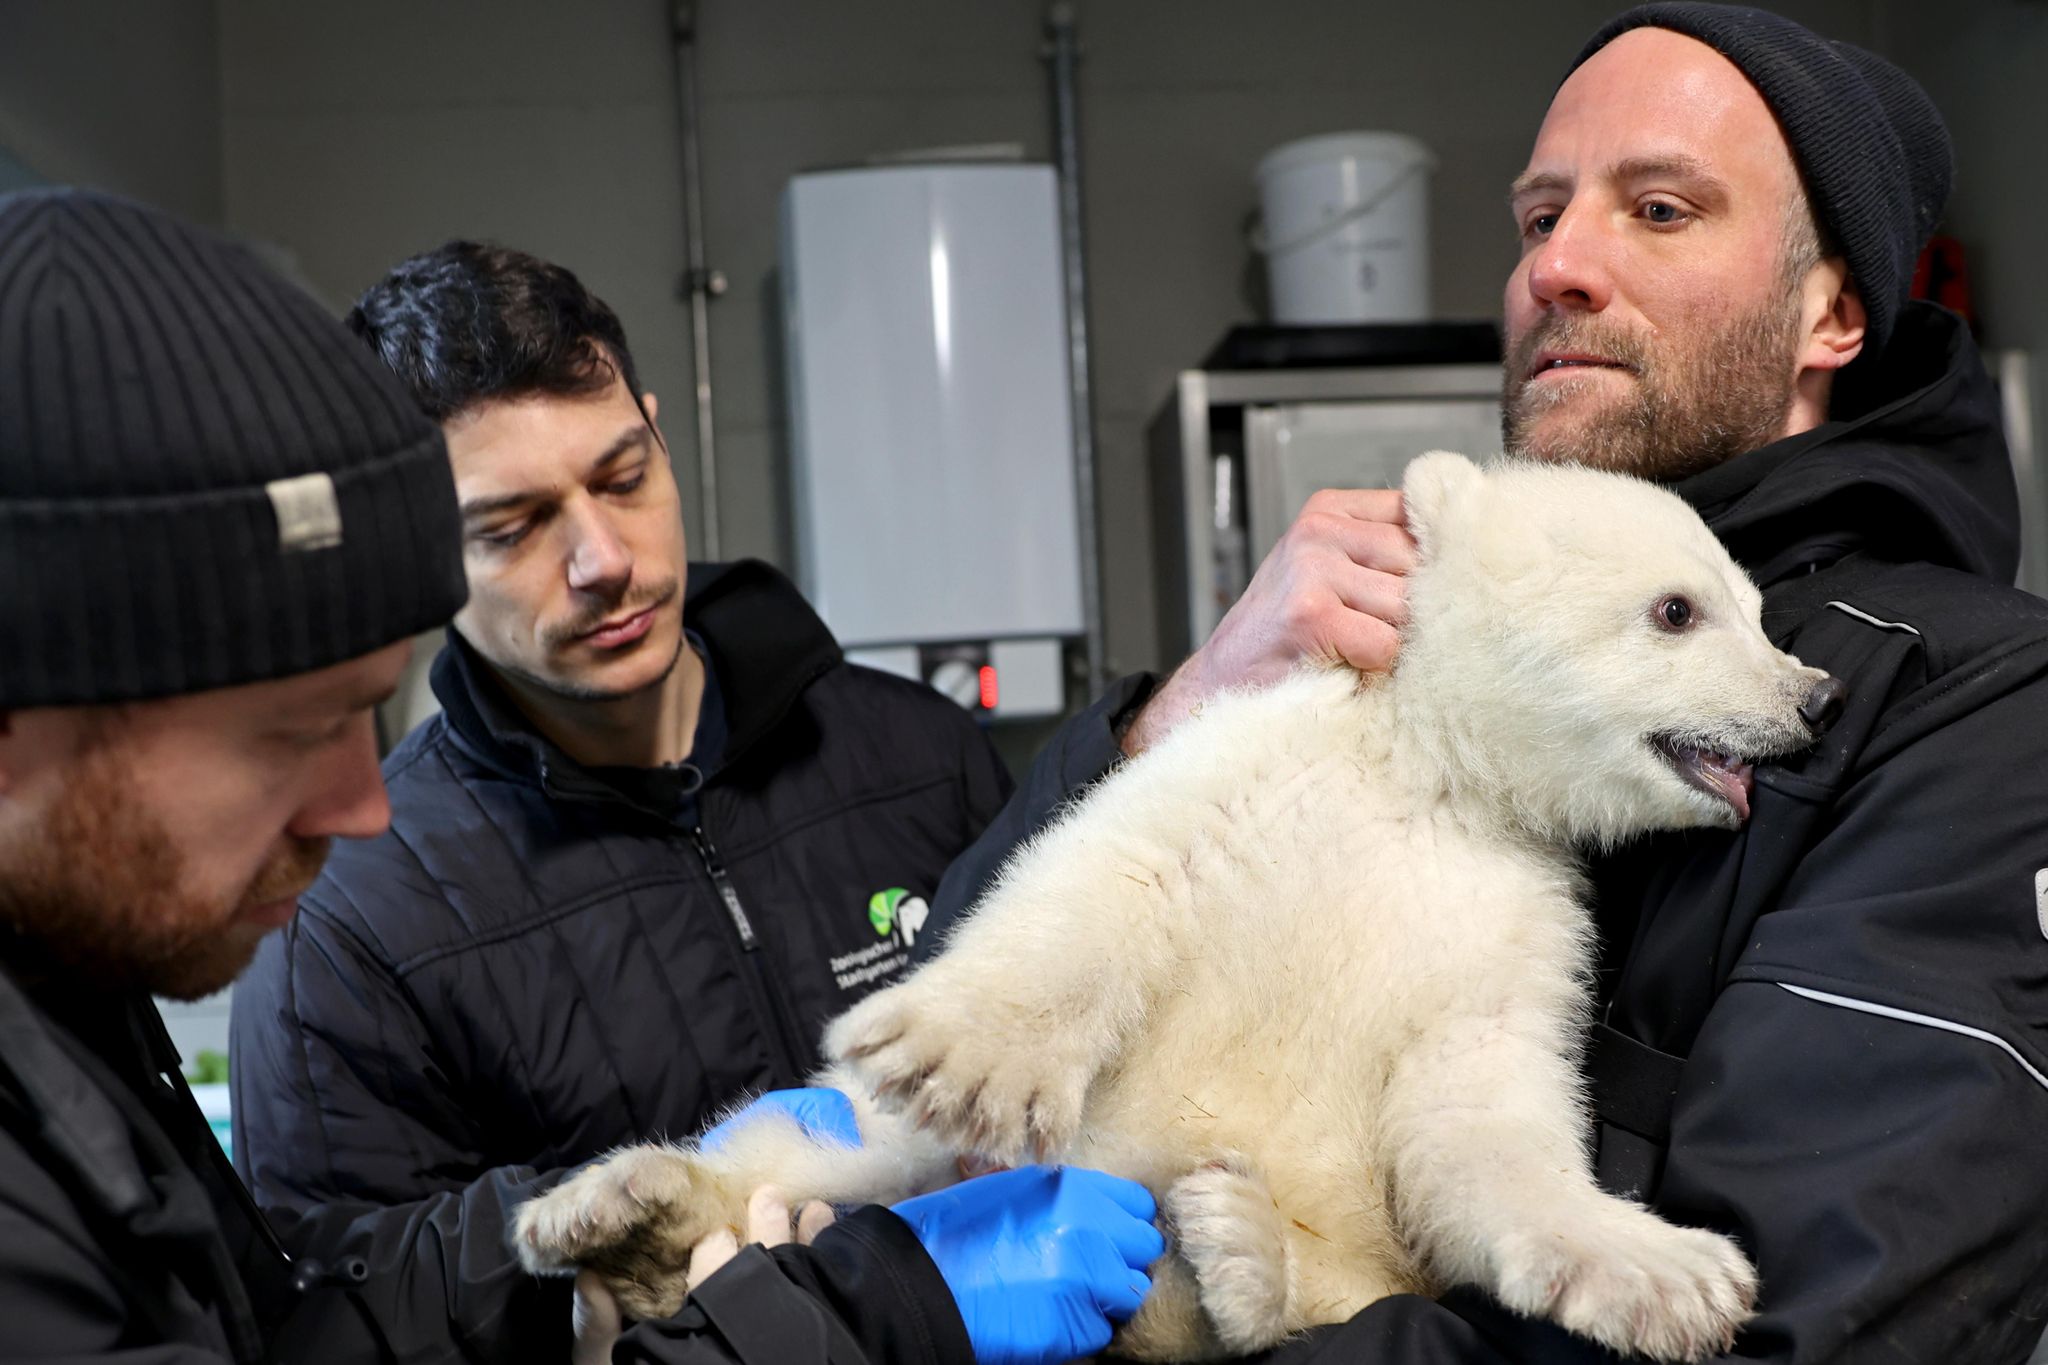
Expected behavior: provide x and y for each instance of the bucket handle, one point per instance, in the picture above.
(1257, 235)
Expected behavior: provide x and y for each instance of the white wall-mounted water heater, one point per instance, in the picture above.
(931, 425)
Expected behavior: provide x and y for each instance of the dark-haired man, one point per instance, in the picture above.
(658, 835)
(1826, 1035)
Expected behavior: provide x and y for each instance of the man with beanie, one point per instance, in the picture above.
(1825, 1035)
(221, 523)
(219, 527)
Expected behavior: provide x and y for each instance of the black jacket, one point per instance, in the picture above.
(107, 1232)
(124, 1234)
(533, 965)
(1827, 1034)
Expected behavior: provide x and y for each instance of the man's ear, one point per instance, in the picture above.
(1434, 487)
(1832, 312)
(650, 405)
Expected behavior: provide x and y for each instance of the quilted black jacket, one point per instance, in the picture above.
(531, 967)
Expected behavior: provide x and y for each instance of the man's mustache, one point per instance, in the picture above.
(632, 601)
(1568, 332)
(290, 874)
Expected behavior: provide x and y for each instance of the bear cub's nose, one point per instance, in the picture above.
(1823, 705)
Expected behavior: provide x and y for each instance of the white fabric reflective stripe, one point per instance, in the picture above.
(1946, 1025)
(1867, 618)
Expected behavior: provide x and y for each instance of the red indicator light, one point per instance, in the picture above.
(988, 687)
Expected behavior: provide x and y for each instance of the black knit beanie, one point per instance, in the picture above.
(204, 479)
(1870, 144)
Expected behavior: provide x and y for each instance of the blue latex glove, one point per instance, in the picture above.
(1042, 1260)
(824, 1113)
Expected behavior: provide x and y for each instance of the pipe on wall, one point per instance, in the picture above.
(700, 284)
(1062, 55)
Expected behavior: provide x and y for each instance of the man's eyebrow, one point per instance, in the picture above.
(1533, 182)
(1673, 166)
(368, 697)
(634, 437)
(473, 508)
(1676, 166)
(346, 698)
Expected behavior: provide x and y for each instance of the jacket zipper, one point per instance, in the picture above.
(726, 892)
(781, 1030)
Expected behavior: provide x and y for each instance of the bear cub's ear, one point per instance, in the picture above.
(1434, 487)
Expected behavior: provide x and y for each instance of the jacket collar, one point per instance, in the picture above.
(763, 638)
(1912, 466)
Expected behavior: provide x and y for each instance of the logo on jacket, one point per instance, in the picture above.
(896, 917)
(897, 909)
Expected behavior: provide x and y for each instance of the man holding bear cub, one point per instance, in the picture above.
(1825, 1035)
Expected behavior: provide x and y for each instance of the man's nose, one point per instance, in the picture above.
(349, 800)
(599, 561)
(1823, 704)
(1571, 268)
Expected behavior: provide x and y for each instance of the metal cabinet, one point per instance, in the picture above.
(1235, 454)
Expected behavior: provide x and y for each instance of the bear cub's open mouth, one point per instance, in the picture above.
(1717, 774)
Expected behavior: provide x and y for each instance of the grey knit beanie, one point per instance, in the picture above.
(204, 479)
(1870, 145)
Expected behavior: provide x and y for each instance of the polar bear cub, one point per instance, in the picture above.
(1315, 968)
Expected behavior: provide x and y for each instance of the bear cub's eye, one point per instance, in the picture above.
(1673, 613)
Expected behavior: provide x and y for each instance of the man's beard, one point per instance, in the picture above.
(1686, 411)
(97, 893)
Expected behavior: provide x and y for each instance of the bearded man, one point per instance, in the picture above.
(219, 528)
(1825, 1035)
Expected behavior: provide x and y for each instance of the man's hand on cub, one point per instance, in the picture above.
(594, 1314)
(1334, 588)
(1043, 1261)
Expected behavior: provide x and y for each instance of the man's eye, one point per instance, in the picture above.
(631, 485)
(505, 539)
(1663, 214)
(1541, 225)
(320, 736)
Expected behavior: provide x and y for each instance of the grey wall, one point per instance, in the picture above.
(1985, 62)
(352, 135)
(115, 95)
(358, 133)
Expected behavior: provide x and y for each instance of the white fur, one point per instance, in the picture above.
(1314, 969)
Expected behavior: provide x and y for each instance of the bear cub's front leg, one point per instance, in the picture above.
(979, 1060)
(992, 1046)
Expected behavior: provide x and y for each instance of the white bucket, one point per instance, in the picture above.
(1344, 228)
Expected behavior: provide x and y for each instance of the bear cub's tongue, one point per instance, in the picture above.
(1733, 780)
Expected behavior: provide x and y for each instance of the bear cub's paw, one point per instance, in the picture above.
(1634, 1283)
(977, 1072)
